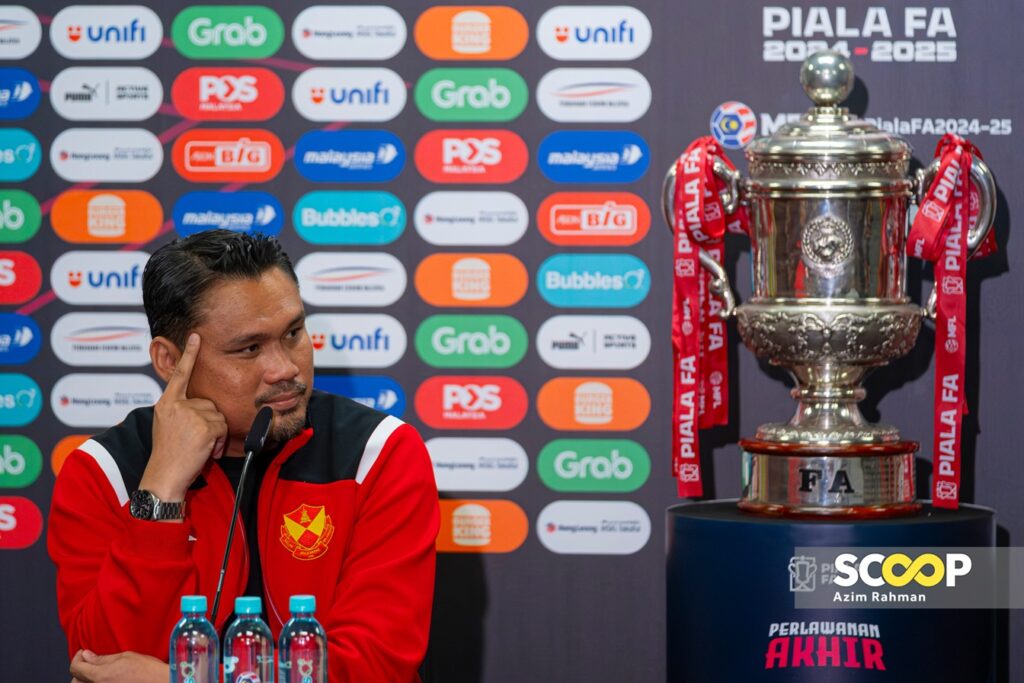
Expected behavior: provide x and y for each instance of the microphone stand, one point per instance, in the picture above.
(254, 441)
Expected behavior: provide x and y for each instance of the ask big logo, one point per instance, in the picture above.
(471, 402)
(471, 156)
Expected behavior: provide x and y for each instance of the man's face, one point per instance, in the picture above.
(254, 352)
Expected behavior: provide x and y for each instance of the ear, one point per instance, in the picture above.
(165, 354)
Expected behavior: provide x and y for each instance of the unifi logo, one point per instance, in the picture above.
(374, 94)
(356, 340)
(106, 279)
(623, 32)
(594, 32)
(90, 277)
(132, 32)
(349, 94)
(106, 32)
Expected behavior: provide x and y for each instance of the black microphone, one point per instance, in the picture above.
(254, 441)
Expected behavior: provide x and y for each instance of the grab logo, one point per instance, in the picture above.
(600, 219)
(471, 156)
(594, 403)
(21, 523)
(228, 94)
(210, 155)
(471, 402)
(20, 277)
(106, 32)
(471, 280)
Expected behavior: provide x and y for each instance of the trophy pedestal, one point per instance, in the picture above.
(728, 594)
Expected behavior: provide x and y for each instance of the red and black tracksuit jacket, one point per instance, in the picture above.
(347, 512)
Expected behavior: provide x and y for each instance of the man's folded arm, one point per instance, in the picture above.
(117, 577)
(379, 624)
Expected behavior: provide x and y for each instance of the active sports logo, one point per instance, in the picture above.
(356, 156)
(471, 94)
(20, 400)
(101, 339)
(474, 464)
(21, 523)
(471, 402)
(602, 219)
(471, 341)
(113, 155)
(593, 156)
(350, 278)
(371, 32)
(106, 216)
(594, 465)
(227, 32)
(584, 342)
(21, 462)
(19, 93)
(349, 217)
(593, 403)
(20, 339)
(472, 219)
(593, 280)
(101, 399)
(377, 392)
(355, 340)
(471, 280)
(593, 527)
(481, 526)
(20, 154)
(349, 94)
(733, 124)
(471, 156)
(225, 155)
(493, 33)
(20, 32)
(248, 211)
(106, 32)
(592, 95)
(110, 278)
(20, 216)
(227, 94)
(106, 93)
(20, 277)
(594, 32)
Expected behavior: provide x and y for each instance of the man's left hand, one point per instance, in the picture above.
(123, 667)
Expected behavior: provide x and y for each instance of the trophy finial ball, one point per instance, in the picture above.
(827, 78)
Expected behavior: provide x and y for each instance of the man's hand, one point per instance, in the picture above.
(124, 667)
(186, 432)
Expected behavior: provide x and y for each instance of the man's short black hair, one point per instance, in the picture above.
(178, 274)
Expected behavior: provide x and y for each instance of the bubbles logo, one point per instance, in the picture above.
(734, 125)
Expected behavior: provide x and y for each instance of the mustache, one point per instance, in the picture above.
(281, 389)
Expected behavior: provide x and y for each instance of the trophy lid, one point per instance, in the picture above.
(837, 144)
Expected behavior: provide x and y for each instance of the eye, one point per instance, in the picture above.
(248, 350)
(294, 333)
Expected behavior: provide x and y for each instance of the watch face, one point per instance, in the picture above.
(142, 504)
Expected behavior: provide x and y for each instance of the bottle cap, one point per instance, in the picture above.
(193, 603)
(302, 603)
(248, 604)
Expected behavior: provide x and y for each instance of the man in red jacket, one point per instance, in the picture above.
(343, 503)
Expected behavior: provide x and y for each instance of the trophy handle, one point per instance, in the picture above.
(730, 197)
(981, 176)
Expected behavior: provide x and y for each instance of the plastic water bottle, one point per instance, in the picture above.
(194, 645)
(302, 650)
(248, 645)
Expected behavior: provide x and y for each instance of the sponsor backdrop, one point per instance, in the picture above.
(470, 195)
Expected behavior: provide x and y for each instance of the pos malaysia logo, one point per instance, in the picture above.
(733, 124)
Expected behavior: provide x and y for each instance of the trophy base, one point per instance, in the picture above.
(863, 481)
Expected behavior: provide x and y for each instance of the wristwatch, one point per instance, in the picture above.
(145, 505)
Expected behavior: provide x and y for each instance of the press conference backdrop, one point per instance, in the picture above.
(470, 195)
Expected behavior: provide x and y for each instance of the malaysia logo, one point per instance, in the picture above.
(307, 532)
(733, 124)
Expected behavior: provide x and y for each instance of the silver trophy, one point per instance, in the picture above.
(828, 200)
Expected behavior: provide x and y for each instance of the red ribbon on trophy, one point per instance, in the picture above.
(939, 234)
(700, 361)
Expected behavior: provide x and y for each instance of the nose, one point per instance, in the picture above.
(279, 365)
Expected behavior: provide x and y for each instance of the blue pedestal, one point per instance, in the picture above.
(729, 596)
